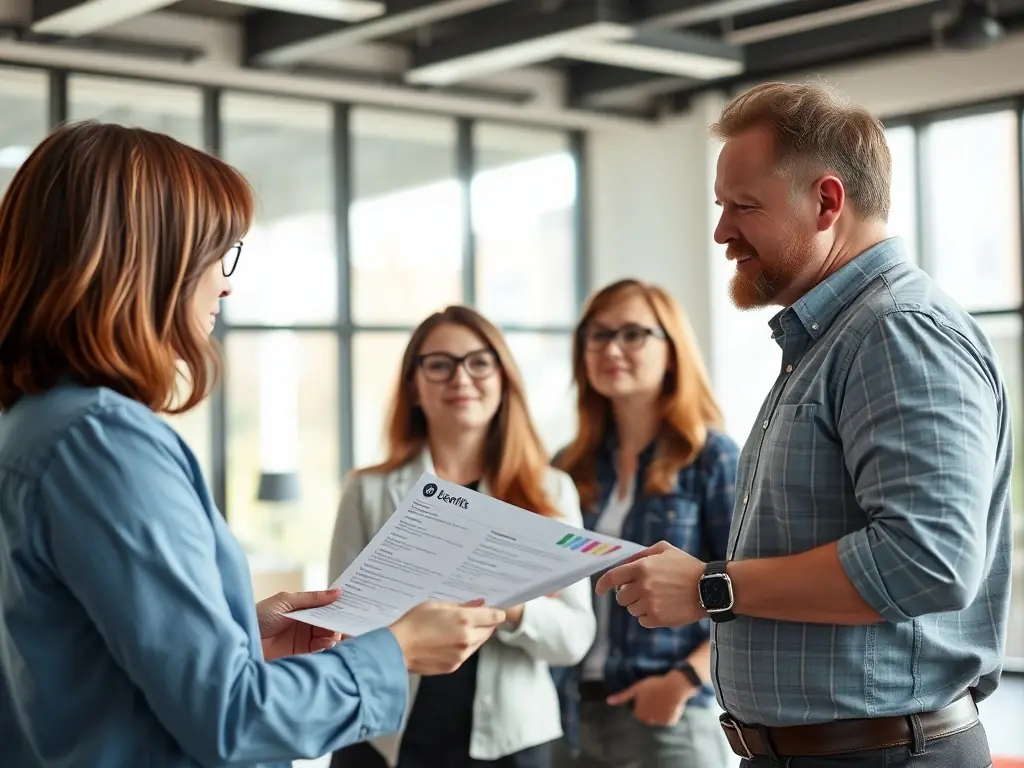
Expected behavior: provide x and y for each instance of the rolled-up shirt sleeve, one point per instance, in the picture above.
(919, 419)
(132, 541)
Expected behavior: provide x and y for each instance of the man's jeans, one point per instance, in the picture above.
(968, 749)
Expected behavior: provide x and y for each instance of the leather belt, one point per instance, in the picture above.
(845, 736)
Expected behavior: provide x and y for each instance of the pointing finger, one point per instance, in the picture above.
(616, 577)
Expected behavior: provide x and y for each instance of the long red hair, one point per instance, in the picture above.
(105, 232)
(515, 460)
(688, 407)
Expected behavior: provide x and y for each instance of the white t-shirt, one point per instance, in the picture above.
(610, 524)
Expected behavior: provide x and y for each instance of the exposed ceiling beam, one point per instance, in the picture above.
(866, 35)
(593, 86)
(818, 20)
(682, 54)
(338, 10)
(503, 41)
(75, 18)
(667, 14)
(277, 39)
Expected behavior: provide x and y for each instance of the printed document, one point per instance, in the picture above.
(446, 542)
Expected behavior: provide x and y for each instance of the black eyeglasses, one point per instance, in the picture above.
(440, 367)
(229, 260)
(630, 336)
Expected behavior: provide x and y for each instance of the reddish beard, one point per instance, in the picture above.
(749, 291)
(761, 287)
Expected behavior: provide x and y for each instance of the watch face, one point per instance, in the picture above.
(716, 593)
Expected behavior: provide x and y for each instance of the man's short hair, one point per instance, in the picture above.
(817, 131)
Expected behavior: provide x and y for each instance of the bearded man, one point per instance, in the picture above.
(862, 609)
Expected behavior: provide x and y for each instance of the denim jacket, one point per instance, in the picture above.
(695, 517)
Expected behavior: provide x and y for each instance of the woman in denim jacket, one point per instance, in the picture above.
(650, 463)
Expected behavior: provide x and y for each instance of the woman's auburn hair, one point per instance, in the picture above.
(515, 460)
(688, 406)
(105, 232)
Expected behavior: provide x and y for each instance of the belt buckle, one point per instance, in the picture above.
(727, 723)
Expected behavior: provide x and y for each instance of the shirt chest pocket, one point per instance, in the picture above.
(802, 471)
(673, 518)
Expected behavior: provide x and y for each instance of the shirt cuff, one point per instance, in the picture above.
(377, 663)
(858, 560)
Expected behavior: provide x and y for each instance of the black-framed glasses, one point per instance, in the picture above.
(229, 260)
(440, 367)
(629, 337)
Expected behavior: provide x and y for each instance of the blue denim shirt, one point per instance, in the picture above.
(887, 431)
(128, 632)
(695, 517)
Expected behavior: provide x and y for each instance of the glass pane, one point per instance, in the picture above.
(973, 209)
(903, 210)
(282, 423)
(523, 200)
(1005, 332)
(376, 358)
(288, 273)
(406, 217)
(545, 361)
(24, 101)
(176, 110)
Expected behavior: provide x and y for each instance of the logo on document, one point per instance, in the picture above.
(589, 546)
(429, 490)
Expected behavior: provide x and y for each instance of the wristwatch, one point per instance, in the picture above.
(715, 592)
(687, 670)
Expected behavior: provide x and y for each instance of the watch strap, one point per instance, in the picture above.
(687, 670)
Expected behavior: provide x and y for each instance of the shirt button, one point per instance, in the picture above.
(789, 369)
(765, 424)
(814, 326)
(746, 497)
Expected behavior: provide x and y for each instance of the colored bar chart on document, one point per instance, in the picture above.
(446, 542)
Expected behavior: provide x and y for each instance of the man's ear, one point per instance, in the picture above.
(831, 201)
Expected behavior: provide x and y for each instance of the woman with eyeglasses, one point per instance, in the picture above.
(129, 635)
(650, 463)
(459, 411)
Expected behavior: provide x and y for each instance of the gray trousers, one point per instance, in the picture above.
(611, 737)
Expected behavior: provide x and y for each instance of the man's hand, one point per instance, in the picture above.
(658, 586)
(657, 700)
(283, 636)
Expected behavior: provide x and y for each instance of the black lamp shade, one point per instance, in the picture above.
(279, 486)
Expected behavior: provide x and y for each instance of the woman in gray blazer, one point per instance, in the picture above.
(460, 412)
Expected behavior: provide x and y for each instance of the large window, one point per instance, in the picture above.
(23, 99)
(523, 198)
(406, 217)
(283, 465)
(420, 240)
(965, 202)
(176, 110)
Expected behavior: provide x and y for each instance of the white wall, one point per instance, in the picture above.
(652, 202)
